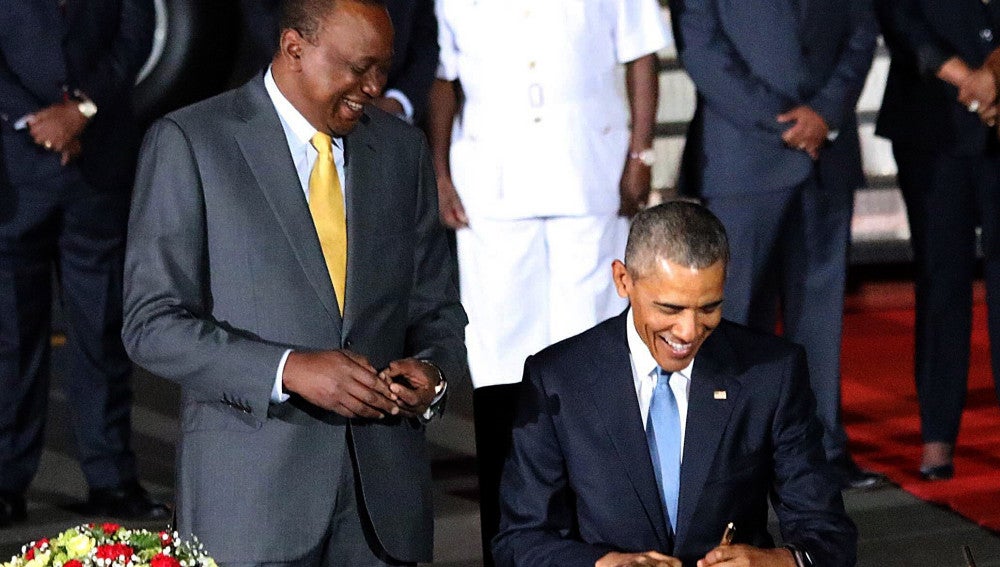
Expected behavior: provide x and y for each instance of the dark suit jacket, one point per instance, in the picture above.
(751, 60)
(579, 481)
(97, 46)
(224, 271)
(919, 110)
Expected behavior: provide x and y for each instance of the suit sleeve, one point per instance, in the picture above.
(113, 74)
(807, 497)
(421, 59)
(437, 321)
(537, 516)
(30, 71)
(168, 327)
(905, 26)
(837, 100)
(720, 75)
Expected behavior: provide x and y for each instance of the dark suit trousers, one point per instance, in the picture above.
(789, 247)
(62, 222)
(946, 197)
(493, 413)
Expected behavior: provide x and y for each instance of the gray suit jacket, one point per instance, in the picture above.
(224, 271)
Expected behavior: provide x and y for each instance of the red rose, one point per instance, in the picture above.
(113, 551)
(30, 554)
(41, 542)
(165, 539)
(73, 563)
(162, 560)
(109, 528)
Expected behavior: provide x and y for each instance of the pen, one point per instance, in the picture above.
(968, 556)
(727, 536)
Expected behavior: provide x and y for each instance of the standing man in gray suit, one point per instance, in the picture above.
(299, 291)
(773, 150)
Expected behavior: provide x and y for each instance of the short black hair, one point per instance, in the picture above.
(304, 16)
(681, 231)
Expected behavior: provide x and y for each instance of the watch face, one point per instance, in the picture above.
(87, 108)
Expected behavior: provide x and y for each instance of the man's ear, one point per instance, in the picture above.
(622, 279)
(290, 47)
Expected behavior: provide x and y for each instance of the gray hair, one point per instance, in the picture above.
(680, 231)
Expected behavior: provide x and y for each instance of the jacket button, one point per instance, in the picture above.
(986, 34)
(348, 343)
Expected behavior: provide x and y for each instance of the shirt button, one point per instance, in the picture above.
(986, 35)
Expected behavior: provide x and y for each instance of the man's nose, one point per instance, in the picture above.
(373, 82)
(685, 325)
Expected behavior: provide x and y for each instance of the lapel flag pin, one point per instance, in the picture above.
(719, 394)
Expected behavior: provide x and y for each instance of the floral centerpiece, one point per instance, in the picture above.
(111, 545)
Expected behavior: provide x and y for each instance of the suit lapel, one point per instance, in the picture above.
(264, 147)
(359, 174)
(714, 371)
(613, 393)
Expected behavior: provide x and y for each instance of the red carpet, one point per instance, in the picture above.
(880, 404)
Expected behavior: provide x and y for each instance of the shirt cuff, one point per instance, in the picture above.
(404, 101)
(277, 394)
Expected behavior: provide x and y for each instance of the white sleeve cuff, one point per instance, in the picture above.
(404, 101)
(277, 394)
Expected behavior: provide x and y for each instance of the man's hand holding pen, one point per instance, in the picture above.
(729, 554)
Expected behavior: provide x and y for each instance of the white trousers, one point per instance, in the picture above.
(527, 283)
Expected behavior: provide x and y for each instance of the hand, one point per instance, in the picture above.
(808, 133)
(340, 381)
(413, 382)
(654, 558)
(988, 115)
(390, 105)
(450, 205)
(634, 187)
(977, 90)
(55, 126)
(738, 555)
(71, 151)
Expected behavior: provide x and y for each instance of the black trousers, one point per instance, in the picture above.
(64, 224)
(493, 408)
(946, 198)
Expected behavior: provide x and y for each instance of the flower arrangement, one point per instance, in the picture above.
(111, 545)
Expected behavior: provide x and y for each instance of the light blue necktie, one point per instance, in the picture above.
(663, 433)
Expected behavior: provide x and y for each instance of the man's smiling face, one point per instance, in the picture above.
(675, 307)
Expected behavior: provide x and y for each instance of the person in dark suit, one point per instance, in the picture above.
(286, 267)
(773, 150)
(637, 441)
(69, 142)
(414, 60)
(949, 173)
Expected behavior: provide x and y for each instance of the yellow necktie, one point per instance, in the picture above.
(326, 205)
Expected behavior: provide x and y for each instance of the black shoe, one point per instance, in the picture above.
(853, 477)
(12, 508)
(940, 472)
(127, 502)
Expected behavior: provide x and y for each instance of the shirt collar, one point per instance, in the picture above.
(296, 124)
(642, 360)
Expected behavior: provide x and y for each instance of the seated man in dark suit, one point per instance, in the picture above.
(637, 441)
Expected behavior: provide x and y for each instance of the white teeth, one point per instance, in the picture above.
(353, 105)
(678, 347)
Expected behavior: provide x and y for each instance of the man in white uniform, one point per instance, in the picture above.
(536, 176)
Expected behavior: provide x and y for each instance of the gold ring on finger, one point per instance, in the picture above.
(48, 144)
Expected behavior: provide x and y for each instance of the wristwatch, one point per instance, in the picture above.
(801, 556)
(646, 156)
(437, 406)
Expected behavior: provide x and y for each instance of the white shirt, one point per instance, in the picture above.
(544, 127)
(298, 134)
(645, 371)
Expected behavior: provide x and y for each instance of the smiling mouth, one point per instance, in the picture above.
(355, 106)
(679, 349)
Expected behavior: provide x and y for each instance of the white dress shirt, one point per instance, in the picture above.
(644, 374)
(298, 134)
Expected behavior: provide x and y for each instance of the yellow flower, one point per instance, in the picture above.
(40, 560)
(78, 546)
(208, 562)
